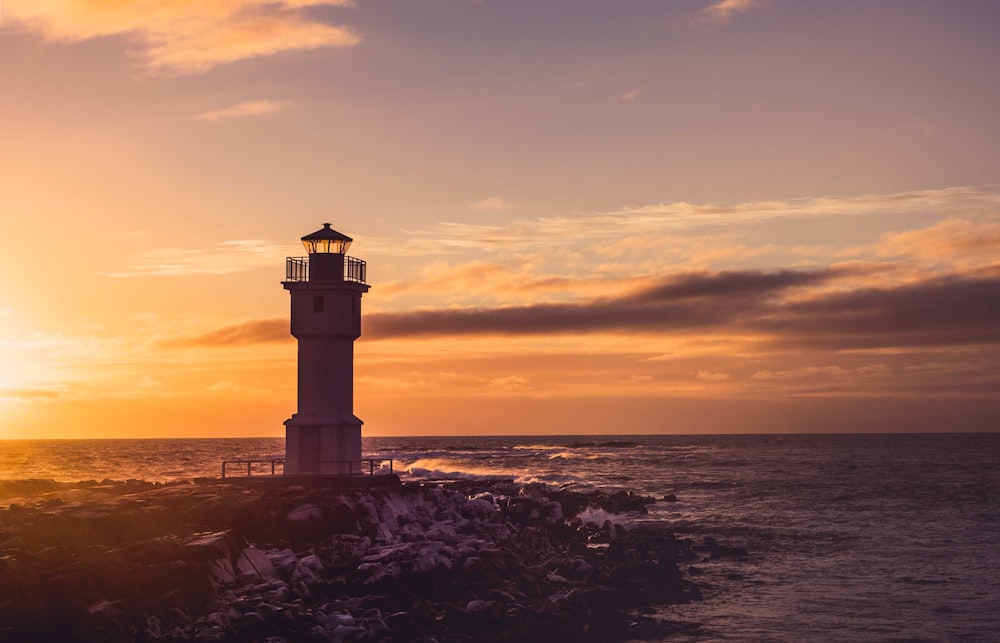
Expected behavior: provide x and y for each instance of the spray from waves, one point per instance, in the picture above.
(451, 469)
(448, 469)
(572, 455)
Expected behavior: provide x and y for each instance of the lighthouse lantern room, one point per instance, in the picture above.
(324, 435)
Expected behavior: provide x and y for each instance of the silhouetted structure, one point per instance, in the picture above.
(324, 436)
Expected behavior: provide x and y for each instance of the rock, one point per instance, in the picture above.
(399, 621)
(107, 621)
(268, 610)
(305, 513)
(670, 498)
(222, 571)
(210, 634)
(347, 631)
(375, 627)
(482, 607)
(464, 561)
(551, 513)
(284, 562)
(210, 546)
(317, 634)
(253, 563)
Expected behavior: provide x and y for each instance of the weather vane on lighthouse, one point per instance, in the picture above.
(324, 435)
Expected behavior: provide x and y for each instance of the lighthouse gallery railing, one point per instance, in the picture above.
(297, 269)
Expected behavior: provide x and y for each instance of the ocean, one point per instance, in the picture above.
(892, 537)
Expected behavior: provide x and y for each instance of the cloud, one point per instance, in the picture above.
(262, 107)
(945, 311)
(660, 219)
(508, 383)
(697, 300)
(186, 37)
(223, 259)
(778, 307)
(628, 97)
(681, 301)
(950, 238)
(256, 331)
(795, 309)
(479, 279)
(492, 203)
(28, 393)
(725, 10)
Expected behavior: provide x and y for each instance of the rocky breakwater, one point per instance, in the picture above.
(279, 561)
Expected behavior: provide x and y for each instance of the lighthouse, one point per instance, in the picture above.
(324, 435)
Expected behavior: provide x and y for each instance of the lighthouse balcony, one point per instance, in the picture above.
(297, 269)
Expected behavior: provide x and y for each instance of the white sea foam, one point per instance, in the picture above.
(573, 455)
(595, 516)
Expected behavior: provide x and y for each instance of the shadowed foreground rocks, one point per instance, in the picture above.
(272, 559)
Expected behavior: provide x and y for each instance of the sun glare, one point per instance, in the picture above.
(8, 365)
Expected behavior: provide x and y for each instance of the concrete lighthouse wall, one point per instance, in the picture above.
(324, 435)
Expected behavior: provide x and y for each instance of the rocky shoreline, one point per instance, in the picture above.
(284, 560)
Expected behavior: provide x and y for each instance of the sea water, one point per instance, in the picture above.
(850, 537)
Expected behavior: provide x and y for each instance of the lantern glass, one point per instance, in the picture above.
(326, 246)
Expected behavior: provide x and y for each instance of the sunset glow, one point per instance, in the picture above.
(676, 217)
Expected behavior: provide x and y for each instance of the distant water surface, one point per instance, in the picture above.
(851, 537)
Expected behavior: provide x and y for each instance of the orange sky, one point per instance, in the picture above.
(687, 216)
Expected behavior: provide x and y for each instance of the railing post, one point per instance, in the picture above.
(249, 464)
(223, 469)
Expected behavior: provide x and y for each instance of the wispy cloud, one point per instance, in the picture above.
(254, 331)
(724, 10)
(28, 393)
(628, 97)
(225, 258)
(261, 107)
(492, 203)
(949, 238)
(186, 37)
(508, 383)
(650, 220)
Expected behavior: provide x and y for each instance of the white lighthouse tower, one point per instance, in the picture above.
(324, 436)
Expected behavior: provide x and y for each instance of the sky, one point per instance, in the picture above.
(579, 216)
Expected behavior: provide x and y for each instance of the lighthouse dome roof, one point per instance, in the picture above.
(326, 233)
(326, 241)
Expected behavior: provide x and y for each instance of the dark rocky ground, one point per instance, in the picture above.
(274, 559)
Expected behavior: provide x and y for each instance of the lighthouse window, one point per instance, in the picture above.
(317, 303)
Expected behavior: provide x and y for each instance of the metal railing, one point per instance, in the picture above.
(249, 465)
(367, 466)
(297, 269)
(354, 270)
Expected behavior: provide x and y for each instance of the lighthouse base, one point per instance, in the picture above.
(322, 446)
